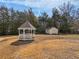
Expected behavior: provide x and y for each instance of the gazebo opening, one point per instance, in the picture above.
(21, 31)
(26, 31)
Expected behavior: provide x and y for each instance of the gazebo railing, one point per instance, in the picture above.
(26, 36)
(20, 36)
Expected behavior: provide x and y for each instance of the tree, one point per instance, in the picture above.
(4, 19)
(31, 17)
(42, 22)
(43, 18)
(56, 17)
(66, 12)
(65, 27)
(50, 22)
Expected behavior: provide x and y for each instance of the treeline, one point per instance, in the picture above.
(65, 18)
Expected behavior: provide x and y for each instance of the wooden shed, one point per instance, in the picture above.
(26, 31)
(52, 30)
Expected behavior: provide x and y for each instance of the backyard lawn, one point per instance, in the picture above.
(42, 47)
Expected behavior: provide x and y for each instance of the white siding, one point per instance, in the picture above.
(52, 31)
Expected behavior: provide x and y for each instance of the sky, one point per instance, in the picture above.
(38, 6)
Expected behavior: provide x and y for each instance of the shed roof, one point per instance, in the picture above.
(27, 25)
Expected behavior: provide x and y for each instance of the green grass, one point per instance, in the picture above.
(71, 36)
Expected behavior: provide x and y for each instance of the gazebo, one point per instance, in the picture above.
(26, 31)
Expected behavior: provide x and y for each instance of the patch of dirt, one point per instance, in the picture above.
(43, 47)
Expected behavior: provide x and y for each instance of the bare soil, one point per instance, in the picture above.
(41, 47)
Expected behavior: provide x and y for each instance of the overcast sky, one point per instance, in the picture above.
(38, 5)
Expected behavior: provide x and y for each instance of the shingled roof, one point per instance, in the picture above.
(27, 25)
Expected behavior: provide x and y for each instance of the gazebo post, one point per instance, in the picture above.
(19, 34)
(31, 33)
(24, 34)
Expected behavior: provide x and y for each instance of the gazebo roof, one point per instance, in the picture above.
(27, 25)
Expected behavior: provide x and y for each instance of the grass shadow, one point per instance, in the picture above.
(21, 42)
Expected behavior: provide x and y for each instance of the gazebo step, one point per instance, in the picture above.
(25, 38)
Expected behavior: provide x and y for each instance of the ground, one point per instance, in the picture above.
(42, 47)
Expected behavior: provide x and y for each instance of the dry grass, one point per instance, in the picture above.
(43, 47)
